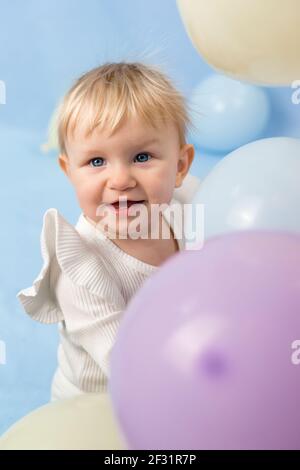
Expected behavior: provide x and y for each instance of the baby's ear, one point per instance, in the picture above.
(63, 162)
(185, 160)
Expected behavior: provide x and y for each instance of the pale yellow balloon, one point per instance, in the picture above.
(84, 422)
(52, 137)
(252, 40)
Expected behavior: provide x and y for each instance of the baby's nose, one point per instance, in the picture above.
(121, 178)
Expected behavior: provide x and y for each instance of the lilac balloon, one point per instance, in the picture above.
(208, 353)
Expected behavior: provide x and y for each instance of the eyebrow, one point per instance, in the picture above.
(141, 144)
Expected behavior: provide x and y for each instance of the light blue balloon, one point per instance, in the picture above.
(227, 113)
(255, 187)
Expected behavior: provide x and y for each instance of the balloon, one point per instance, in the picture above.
(83, 422)
(52, 141)
(253, 40)
(228, 113)
(211, 345)
(255, 187)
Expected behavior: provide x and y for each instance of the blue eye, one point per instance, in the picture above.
(145, 157)
(98, 162)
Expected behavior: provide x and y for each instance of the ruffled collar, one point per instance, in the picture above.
(87, 230)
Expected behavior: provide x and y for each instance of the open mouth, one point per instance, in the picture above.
(125, 204)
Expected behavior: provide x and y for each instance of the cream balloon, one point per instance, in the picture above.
(252, 40)
(52, 140)
(85, 422)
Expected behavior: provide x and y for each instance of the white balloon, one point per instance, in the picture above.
(85, 422)
(253, 40)
(255, 187)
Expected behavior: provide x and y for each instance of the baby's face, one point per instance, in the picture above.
(137, 162)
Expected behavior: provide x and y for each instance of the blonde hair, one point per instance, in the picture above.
(105, 96)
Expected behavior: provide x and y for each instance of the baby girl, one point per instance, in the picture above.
(121, 130)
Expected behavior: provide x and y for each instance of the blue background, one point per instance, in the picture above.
(44, 46)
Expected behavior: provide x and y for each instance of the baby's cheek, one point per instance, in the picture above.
(162, 186)
(87, 197)
(162, 193)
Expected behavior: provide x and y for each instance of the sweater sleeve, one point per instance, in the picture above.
(67, 256)
(91, 321)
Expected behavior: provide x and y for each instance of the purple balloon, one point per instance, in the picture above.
(208, 353)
